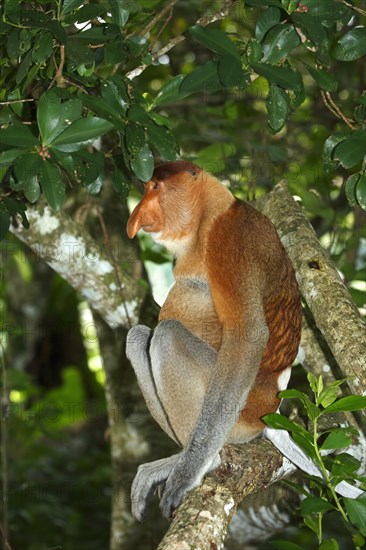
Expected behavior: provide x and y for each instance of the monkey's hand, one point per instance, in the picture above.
(148, 478)
(185, 475)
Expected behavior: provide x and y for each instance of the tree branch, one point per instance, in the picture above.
(70, 250)
(335, 314)
(203, 21)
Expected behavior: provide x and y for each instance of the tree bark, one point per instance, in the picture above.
(331, 305)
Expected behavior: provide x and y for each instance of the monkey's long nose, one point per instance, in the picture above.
(134, 221)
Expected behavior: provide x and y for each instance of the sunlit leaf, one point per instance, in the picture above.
(278, 107)
(349, 403)
(52, 185)
(143, 164)
(337, 439)
(215, 39)
(268, 19)
(352, 45)
(81, 133)
(315, 505)
(17, 135)
(356, 511)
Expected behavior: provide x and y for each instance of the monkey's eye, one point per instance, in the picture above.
(155, 185)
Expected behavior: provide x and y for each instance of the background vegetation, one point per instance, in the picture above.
(93, 94)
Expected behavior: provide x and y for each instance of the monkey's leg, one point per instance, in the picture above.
(137, 351)
(181, 367)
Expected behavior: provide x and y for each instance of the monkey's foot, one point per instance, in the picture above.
(148, 478)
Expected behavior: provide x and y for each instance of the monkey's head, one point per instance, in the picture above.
(168, 206)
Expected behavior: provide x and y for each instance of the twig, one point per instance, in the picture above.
(359, 10)
(58, 78)
(329, 103)
(159, 16)
(203, 21)
(15, 101)
(167, 21)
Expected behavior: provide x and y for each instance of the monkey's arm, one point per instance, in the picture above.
(245, 335)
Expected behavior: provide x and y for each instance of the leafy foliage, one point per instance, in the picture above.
(342, 467)
(70, 61)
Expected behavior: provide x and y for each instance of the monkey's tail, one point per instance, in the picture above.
(287, 446)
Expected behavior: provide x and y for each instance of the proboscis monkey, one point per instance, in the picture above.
(228, 331)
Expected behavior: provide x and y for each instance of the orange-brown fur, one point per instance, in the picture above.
(236, 250)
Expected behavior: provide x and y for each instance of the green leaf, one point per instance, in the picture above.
(203, 79)
(4, 224)
(120, 14)
(361, 191)
(43, 48)
(81, 134)
(325, 81)
(345, 465)
(137, 113)
(48, 114)
(115, 100)
(311, 26)
(327, 396)
(331, 165)
(313, 381)
(356, 512)
(312, 524)
(218, 41)
(279, 42)
(70, 5)
(143, 164)
(14, 207)
(254, 51)
(349, 403)
(24, 67)
(315, 505)
(170, 92)
(285, 545)
(327, 10)
(305, 442)
(135, 137)
(27, 166)
(162, 140)
(278, 421)
(95, 186)
(268, 19)
(89, 167)
(283, 76)
(278, 107)
(54, 117)
(337, 439)
(229, 71)
(290, 394)
(8, 157)
(52, 185)
(329, 544)
(17, 135)
(56, 29)
(121, 183)
(352, 150)
(351, 46)
(32, 189)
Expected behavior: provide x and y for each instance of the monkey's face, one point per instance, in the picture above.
(167, 207)
(148, 214)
